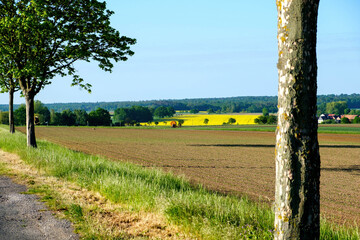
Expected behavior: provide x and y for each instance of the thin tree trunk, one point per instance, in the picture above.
(30, 121)
(11, 111)
(297, 196)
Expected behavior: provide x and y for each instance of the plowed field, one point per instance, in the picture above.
(235, 162)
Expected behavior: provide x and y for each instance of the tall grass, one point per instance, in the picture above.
(203, 213)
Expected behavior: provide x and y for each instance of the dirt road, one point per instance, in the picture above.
(23, 216)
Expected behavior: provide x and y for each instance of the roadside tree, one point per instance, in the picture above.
(42, 39)
(8, 84)
(297, 196)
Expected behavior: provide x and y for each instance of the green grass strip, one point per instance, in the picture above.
(205, 214)
(323, 128)
(333, 129)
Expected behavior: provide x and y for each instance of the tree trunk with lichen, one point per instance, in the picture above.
(11, 111)
(30, 120)
(297, 196)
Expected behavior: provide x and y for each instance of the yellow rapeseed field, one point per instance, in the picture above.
(214, 119)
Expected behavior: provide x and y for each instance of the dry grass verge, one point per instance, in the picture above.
(93, 215)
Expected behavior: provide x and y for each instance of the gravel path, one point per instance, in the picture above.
(23, 216)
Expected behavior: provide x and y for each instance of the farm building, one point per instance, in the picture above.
(350, 117)
(324, 117)
(337, 118)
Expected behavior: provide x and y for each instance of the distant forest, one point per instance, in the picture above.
(224, 105)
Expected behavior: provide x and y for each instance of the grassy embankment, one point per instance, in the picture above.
(198, 212)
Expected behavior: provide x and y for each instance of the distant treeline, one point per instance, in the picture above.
(223, 105)
(226, 105)
(78, 117)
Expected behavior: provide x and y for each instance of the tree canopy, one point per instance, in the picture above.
(134, 114)
(40, 39)
(10, 85)
(99, 117)
(164, 112)
(70, 118)
(337, 108)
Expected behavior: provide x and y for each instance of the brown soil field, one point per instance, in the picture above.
(227, 161)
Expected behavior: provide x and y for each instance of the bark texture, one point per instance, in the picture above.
(297, 196)
(11, 111)
(30, 121)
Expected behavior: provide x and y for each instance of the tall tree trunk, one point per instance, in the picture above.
(11, 110)
(30, 121)
(297, 196)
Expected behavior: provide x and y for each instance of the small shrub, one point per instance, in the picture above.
(269, 119)
(345, 120)
(356, 120)
(231, 121)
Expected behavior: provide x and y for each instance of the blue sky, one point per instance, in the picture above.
(202, 48)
